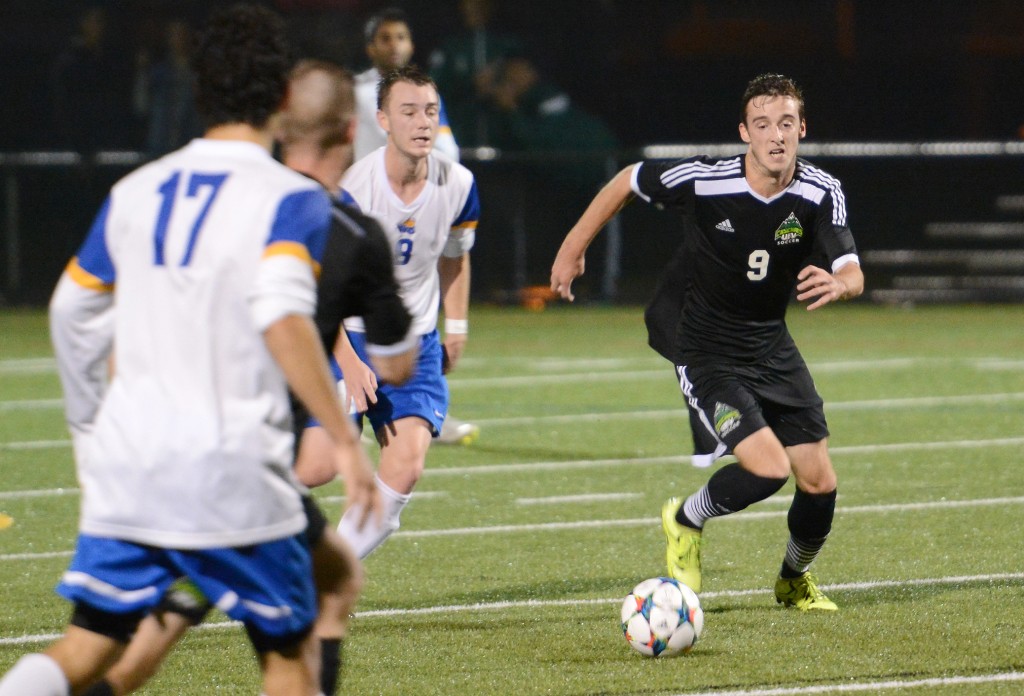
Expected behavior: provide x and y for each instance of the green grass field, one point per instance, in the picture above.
(508, 572)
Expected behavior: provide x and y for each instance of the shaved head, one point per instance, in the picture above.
(320, 105)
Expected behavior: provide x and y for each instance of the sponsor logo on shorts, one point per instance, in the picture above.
(727, 418)
(789, 232)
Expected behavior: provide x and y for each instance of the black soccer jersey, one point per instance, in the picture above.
(358, 280)
(746, 252)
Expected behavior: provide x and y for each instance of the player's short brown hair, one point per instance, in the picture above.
(410, 73)
(771, 85)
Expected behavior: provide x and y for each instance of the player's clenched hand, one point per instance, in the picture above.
(818, 285)
(568, 266)
(360, 484)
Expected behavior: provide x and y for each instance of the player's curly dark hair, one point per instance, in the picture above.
(771, 85)
(241, 63)
(409, 73)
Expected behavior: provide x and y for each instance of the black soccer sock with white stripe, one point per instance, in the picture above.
(810, 521)
(730, 489)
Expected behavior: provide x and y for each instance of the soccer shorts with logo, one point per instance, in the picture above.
(184, 598)
(267, 586)
(425, 395)
(734, 400)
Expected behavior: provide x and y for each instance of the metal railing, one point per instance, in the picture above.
(908, 201)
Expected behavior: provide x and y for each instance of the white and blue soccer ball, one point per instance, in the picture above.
(662, 617)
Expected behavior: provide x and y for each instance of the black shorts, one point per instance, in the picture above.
(731, 401)
(316, 522)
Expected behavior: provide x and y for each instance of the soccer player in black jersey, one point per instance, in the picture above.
(356, 279)
(756, 226)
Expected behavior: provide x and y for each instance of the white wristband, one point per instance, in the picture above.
(456, 326)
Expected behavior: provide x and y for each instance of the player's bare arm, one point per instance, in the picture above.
(359, 378)
(454, 277)
(822, 287)
(295, 345)
(570, 262)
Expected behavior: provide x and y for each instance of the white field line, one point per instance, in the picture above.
(876, 686)
(31, 405)
(580, 498)
(28, 366)
(44, 365)
(609, 374)
(990, 578)
(745, 516)
(863, 405)
(860, 405)
(596, 371)
(626, 461)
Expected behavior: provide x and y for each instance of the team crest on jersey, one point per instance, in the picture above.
(407, 227)
(790, 231)
(727, 418)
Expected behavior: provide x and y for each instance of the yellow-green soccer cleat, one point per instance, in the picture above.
(683, 552)
(802, 593)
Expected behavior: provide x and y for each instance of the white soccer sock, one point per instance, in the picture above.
(35, 675)
(372, 535)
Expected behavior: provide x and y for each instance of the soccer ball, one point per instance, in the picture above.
(662, 617)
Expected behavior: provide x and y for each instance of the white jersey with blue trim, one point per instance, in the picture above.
(369, 134)
(441, 221)
(190, 445)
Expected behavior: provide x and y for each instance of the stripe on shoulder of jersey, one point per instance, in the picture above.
(86, 279)
(348, 222)
(823, 179)
(295, 250)
(694, 169)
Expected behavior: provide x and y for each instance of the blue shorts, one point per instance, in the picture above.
(268, 586)
(425, 395)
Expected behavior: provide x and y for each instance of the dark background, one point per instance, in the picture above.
(655, 71)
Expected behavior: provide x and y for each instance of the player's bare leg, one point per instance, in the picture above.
(404, 446)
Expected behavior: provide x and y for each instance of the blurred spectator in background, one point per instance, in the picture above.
(91, 87)
(527, 112)
(389, 46)
(464, 67)
(163, 95)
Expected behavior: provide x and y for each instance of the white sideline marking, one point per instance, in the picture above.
(34, 445)
(867, 686)
(490, 606)
(28, 366)
(627, 461)
(416, 495)
(597, 371)
(680, 411)
(31, 405)
(745, 516)
(608, 372)
(581, 498)
(38, 493)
